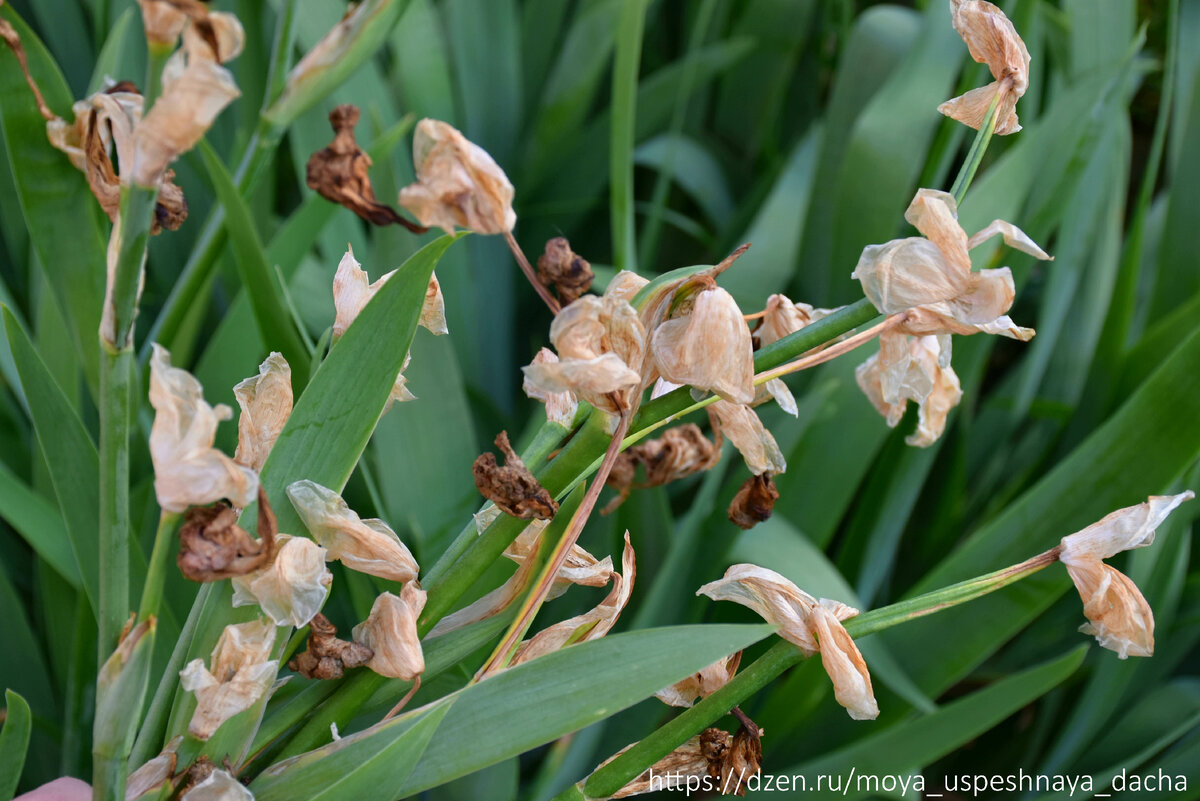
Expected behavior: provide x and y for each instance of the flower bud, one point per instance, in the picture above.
(391, 632)
(709, 348)
(266, 403)
(241, 671)
(992, 40)
(292, 588)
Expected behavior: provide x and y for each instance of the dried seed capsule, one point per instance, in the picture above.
(512, 487)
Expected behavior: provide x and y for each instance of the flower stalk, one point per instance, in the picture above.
(978, 147)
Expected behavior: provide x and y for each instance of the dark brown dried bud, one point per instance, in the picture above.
(754, 502)
(512, 487)
(212, 546)
(199, 770)
(327, 657)
(170, 208)
(678, 453)
(733, 760)
(339, 173)
(565, 270)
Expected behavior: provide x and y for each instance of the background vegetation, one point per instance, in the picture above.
(803, 127)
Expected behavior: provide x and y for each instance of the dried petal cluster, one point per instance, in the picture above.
(512, 487)
(266, 403)
(458, 184)
(812, 626)
(240, 671)
(218, 786)
(992, 40)
(680, 452)
(325, 656)
(727, 762)
(740, 425)
(565, 270)
(754, 502)
(709, 347)
(561, 407)
(292, 588)
(212, 546)
(390, 631)
(1118, 615)
(917, 369)
(188, 470)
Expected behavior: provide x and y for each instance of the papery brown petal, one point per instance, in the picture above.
(992, 40)
(935, 214)
(391, 632)
(1119, 617)
(512, 487)
(212, 546)
(905, 273)
(740, 761)
(933, 411)
(1013, 236)
(240, 673)
(709, 349)
(219, 785)
(911, 368)
(163, 21)
(292, 588)
(625, 285)
(843, 662)
(1122, 530)
(701, 684)
(266, 403)
(680, 452)
(561, 407)
(327, 657)
(772, 596)
(754, 502)
(155, 773)
(782, 317)
(741, 426)
(690, 760)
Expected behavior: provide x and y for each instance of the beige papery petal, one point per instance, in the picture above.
(188, 470)
(992, 40)
(709, 348)
(741, 426)
(701, 684)
(625, 285)
(266, 403)
(458, 183)
(163, 21)
(241, 671)
(1119, 617)
(218, 786)
(292, 588)
(842, 661)
(368, 546)
(391, 632)
(784, 317)
(155, 773)
(433, 309)
(561, 407)
(912, 368)
(591, 625)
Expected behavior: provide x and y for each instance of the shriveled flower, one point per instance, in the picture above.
(188, 470)
(240, 671)
(368, 546)
(391, 632)
(812, 626)
(741, 426)
(601, 344)
(712, 758)
(708, 348)
(325, 656)
(219, 786)
(680, 452)
(783, 317)
(458, 183)
(1119, 617)
(992, 40)
(163, 22)
(591, 625)
(561, 407)
(266, 403)
(212, 546)
(754, 502)
(917, 369)
(292, 588)
(701, 684)
(565, 270)
(512, 487)
(155, 773)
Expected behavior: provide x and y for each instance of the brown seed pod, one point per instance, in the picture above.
(212, 546)
(512, 487)
(754, 502)
(327, 657)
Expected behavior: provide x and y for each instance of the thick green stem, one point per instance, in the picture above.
(612, 777)
(978, 147)
(157, 56)
(156, 574)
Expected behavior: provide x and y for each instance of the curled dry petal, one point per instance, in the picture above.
(212, 546)
(188, 470)
(912, 368)
(512, 487)
(458, 183)
(163, 22)
(292, 588)
(625, 285)
(368, 546)
(701, 684)
(155, 773)
(754, 502)
(783, 317)
(709, 349)
(219, 786)
(327, 657)
(266, 402)
(714, 757)
(1122, 530)
(843, 662)
(992, 40)
(741, 426)
(339, 173)
(678, 453)
(241, 671)
(391, 632)
(591, 625)
(561, 407)
(565, 270)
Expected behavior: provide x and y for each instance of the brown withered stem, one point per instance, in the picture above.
(327, 657)
(569, 273)
(339, 173)
(512, 487)
(526, 268)
(212, 546)
(754, 502)
(13, 40)
(678, 453)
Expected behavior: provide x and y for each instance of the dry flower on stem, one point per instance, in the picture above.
(327, 657)
(992, 40)
(741, 426)
(212, 546)
(240, 671)
(339, 173)
(680, 452)
(512, 487)
(266, 403)
(561, 407)
(1118, 615)
(390, 631)
(702, 684)
(565, 270)
(917, 369)
(708, 347)
(292, 588)
(754, 502)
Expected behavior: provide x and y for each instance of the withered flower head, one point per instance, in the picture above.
(368, 546)
(561, 407)
(512, 487)
(155, 773)
(266, 403)
(601, 345)
(220, 785)
(390, 631)
(783, 317)
(339, 173)
(701, 684)
(1119, 617)
(458, 183)
(291, 589)
(188, 470)
(992, 40)
(754, 502)
(727, 761)
(240, 671)
(212, 546)
(327, 657)
(565, 270)
(741, 426)
(708, 348)
(680, 452)
(591, 625)
(812, 626)
(917, 369)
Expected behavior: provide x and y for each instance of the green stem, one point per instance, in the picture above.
(978, 147)
(157, 56)
(612, 777)
(624, 101)
(156, 574)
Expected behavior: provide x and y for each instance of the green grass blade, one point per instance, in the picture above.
(39, 524)
(624, 110)
(14, 740)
